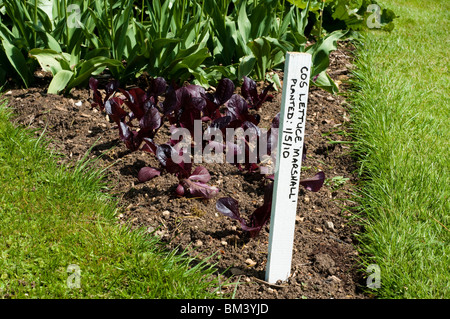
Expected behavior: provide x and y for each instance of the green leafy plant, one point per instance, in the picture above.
(196, 41)
(19, 32)
(65, 75)
(336, 182)
(331, 15)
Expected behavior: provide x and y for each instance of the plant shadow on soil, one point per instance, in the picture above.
(324, 261)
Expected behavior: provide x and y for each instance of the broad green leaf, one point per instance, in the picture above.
(302, 19)
(75, 56)
(5, 33)
(104, 34)
(216, 72)
(324, 81)
(90, 36)
(44, 20)
(191, 57)
(120, 32)
(314, 4)
(246, 66)
(76, 38)
(188, 34)
(18, 13)
(321, 50)
(97, 52)
(262, 18)
(18, 61)
(261, 51)
(191, 61)
(49, 60)
(244, 24)
(59, 81)
(231, 40)
(275, 80)
(285, 23)
(159, 44)
(46, 37)
(86, 68)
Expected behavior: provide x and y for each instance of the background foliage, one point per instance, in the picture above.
(197, 41)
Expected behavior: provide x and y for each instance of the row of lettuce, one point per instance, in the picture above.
(200, 41)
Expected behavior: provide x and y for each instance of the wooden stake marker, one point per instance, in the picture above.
(288, 166)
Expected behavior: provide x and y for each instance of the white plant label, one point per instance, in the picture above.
(289, 162)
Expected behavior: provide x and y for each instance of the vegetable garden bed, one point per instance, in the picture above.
(325, 259)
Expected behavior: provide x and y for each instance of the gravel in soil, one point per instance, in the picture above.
(324, 258)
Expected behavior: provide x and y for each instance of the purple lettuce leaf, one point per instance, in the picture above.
(196, 186)
(250, 93)
(150, 123)
(185, 105)
(229, 207)
(114, 110)
(110, 89)
(314, 183)
(200, 174)
(264, 96)
(248, 146)
(237, 109)
(199, 189)
(135, 99)
(248, 90)
(180, 191)
(224, 91)
(129, 137)
(258, 220)
(261, 215)
(165, 154)
(157, 87)
(221, 123)
(148, 173)
(96, 95)
(171, 102)
(149, 145)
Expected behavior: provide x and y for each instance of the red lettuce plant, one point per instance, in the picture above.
(139, 116)
(229, 207)
(250, 93)
(192, 183)
(142, 108)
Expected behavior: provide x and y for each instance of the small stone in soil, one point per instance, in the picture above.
(250, 263)
(198, 243)
(166, 213)
(299, 219)
(160, 233)
(330, 225)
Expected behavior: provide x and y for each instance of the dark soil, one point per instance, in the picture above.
(324, 258)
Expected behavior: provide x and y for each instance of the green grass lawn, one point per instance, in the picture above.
(401, 121)
(52, 217)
